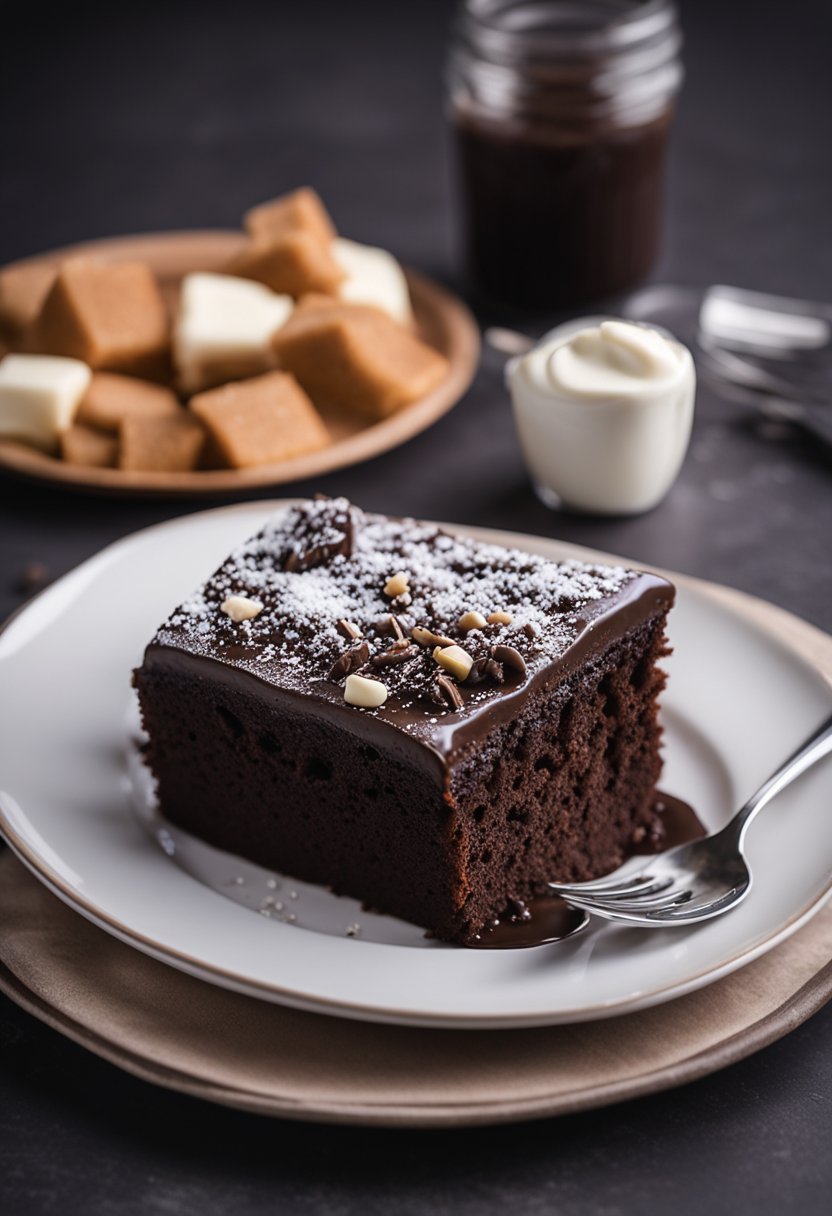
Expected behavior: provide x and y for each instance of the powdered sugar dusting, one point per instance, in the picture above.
(325, 561)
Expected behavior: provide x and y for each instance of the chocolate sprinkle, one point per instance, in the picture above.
(319, 537)
(396, 654)
(483, 669)
(448, 692)
(494, 671)
(477, 674)
(389, 627)
(509, 656)
(351, 660)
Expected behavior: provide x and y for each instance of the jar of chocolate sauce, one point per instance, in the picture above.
(561, 110)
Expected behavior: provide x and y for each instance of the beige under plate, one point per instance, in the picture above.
(442, 320)
(187, 1035)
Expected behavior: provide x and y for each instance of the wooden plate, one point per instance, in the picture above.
(442, 320)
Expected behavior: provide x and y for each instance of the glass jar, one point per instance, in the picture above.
(561, 110)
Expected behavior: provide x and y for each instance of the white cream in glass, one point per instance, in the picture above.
(604, 410)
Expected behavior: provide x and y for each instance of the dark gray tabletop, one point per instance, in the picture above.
(145, 118)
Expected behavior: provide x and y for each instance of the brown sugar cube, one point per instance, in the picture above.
(111, 398)
(170, 444)
(260, 421)
(23, 289)
(316, 301)
(318, 306)
(292, 264)
(88, 446)
(302, 210)
(112, 316)
(358, 359)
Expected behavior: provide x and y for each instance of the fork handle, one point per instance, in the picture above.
(818, 745)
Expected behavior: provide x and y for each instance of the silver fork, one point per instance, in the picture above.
(763, 324)
(696, 881)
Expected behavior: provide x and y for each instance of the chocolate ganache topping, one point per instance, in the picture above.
(327, 575)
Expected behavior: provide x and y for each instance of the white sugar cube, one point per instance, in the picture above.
(224, 328)
(39, 395)
(373, 277)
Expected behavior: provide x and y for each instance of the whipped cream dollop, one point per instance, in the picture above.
(604, 410)
(614, 359)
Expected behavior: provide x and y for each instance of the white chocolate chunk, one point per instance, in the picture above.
(499, 618)
(241, 608)
(397, 585)
(373, 277)
(39, 395)
(471, 620)
(366, 694)
(224, 328)
(455, 660)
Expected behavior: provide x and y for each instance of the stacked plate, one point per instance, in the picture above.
(739, 699)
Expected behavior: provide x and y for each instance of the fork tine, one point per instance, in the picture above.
(648, 917)
(680, 910)
(704, 910)
(655, 887)
(625, 909)
(665, 900)
(603, 886)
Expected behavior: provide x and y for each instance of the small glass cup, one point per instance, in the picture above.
(616, 455)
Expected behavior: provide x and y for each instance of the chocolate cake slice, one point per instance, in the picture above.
(430, 724)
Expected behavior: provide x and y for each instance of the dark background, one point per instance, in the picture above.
(131, 119)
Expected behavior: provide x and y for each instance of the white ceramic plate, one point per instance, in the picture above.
(738, 701)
